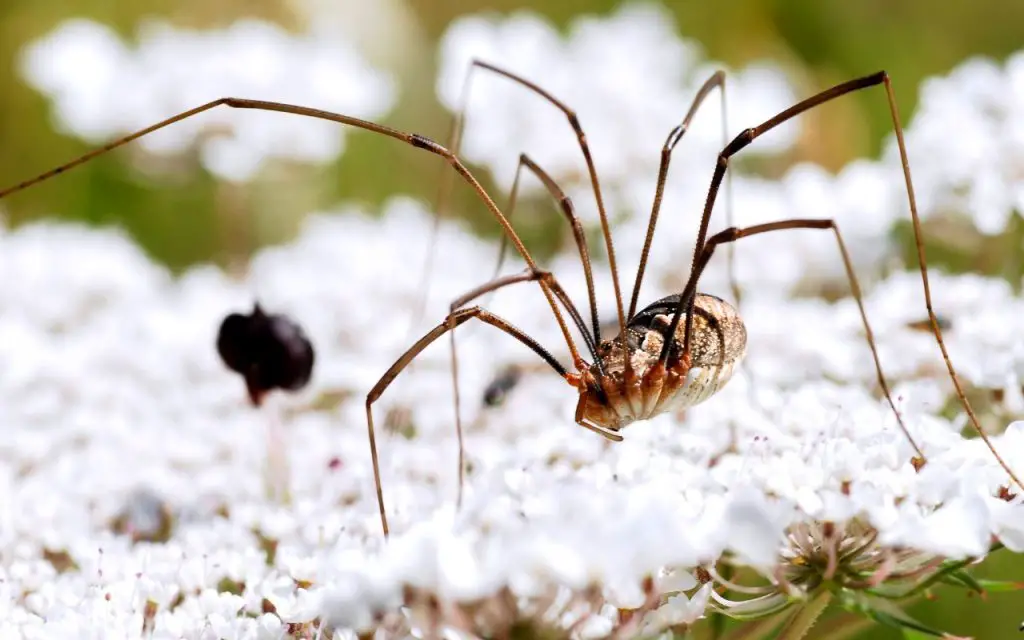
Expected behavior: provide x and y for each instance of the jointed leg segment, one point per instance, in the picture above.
(742, 141)
(592, 171)
(420, 142)
(412, 139)
(565, 203)
(457, 317)
(717, 80)
(733, 234)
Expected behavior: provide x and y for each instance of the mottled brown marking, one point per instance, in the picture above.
(717, 346)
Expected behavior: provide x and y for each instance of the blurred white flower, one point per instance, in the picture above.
(971, 119)
(679, 610)
(134, 385)
(628, 76)
(102, 88)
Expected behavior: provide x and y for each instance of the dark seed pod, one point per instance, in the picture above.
(269, 351)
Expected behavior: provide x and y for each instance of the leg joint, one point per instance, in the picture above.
(742, 140)
(574, 121)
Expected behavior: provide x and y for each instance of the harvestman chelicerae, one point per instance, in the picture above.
(676, 351)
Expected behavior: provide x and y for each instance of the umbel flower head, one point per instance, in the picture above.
(825, 562)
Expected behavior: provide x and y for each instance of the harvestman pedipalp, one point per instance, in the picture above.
(677, 351)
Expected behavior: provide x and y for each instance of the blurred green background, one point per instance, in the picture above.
(193, 217)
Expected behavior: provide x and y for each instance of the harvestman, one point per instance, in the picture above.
(675, 352)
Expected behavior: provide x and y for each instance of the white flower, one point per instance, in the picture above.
(679, 610)
(102, 88)
(753, 529)
(979, 173)
(356, 600)
(629, 77)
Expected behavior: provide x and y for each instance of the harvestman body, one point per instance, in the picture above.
(674, 353)
(718, 346)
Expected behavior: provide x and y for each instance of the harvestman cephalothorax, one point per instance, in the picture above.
(675, 352)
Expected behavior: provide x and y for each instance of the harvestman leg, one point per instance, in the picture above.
(455, 143)
(412, 139)
(455, 139)
(581, 243)
(716, 81)
(732, 234)
(488, 287)
(749, 135)
(584, 148)
(569, 210)
(456, 317)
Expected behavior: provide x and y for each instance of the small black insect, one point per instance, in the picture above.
(499, 388)
(270, 351)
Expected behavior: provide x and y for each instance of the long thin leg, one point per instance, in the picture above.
(453, 320)
(565, 203)
(510, 208)
(567, 208)
(454, 144)
(494, 285)
(717, 80)
(730, 262)
(581, 243)
(733, 234)
(748, 136)
(455, 141)
(412, 139)
(581, 137)
(744, 139)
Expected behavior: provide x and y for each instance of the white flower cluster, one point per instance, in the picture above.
(973, 118)
(113, 388)
(102, 88)
(141, 495)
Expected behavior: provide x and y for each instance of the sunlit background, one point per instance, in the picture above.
(74, 75)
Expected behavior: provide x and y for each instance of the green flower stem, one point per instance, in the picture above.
(804, 618)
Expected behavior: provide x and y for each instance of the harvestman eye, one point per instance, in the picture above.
(672, 354)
